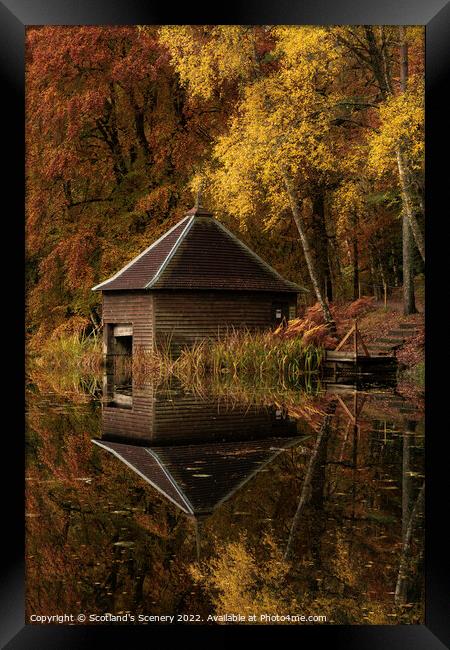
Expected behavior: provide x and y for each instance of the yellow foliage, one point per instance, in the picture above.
(283, 120)
(402, 119)
(348, 200)
(241, 583)
(205, 56)
(283, 123)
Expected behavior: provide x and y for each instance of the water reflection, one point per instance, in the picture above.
(214, 502)
(195, 451)
(145, 414)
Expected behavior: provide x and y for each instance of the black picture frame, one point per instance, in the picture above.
(15, 16)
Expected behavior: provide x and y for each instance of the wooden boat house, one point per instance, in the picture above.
(198, 280)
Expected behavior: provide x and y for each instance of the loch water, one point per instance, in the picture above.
(147, 501)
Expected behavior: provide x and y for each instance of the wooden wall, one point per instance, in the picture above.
(186, 316)
(135, 423)
(133, 307)
(184, 418)
(183, 317)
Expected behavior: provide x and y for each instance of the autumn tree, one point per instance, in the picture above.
(397, 144)
(111, 145)
(310, 141)
(279, 139)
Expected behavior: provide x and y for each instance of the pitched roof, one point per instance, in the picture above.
(198, 478)
(198, 253)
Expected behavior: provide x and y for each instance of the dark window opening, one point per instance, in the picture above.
(123, 345)
(118, 339)
(121, 339)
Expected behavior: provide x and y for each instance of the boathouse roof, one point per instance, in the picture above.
(198, 478)
(199, 252)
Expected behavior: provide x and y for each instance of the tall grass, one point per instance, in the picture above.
(73, 383)
(254, 358)
(68, 365)
(259, 357)
(306, 400)
(73, 351)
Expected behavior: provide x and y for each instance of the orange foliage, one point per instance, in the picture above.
(360, 307)
(308, 331)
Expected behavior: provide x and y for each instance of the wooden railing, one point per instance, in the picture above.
(356, 338)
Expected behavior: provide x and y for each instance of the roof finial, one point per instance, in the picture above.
(198, 200)
(199, 208)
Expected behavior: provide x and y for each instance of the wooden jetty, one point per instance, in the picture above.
(358, 358)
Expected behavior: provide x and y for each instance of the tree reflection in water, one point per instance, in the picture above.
(275, 503)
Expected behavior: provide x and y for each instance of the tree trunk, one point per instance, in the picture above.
(355, 260)
(380, 66)
(334, 262)
(384, 281)
(394, 268)
(409, 305)
(406, 479)
(306, 249)
(377, 61)
(320, 238)
(373, 277)
(409, 202)
(409, 302)
(402, 578)
(307, 487)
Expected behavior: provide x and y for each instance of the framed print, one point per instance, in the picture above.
(227, 372)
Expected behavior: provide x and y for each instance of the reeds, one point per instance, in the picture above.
(67, 366)
(74, 351)
(77, 385)
(263, 358)
(259, 357)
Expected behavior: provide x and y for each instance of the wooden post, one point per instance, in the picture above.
(366, 351)
(349, 333)
(355, 339)
(105, 339)
(108, 340)
(385, 295)
(346, 409)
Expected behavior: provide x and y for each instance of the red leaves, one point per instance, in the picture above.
(360, 307)
(413, 350)
(312, 328)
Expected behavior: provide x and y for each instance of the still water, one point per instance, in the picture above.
(145, 502)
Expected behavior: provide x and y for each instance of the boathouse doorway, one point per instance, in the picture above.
(119, 340)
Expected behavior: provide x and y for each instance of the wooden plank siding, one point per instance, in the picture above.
(187, 419)
(135, 423)
(191, 420)
(184, 317)
(131, 307)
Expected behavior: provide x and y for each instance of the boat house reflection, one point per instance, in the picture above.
(197, 452)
